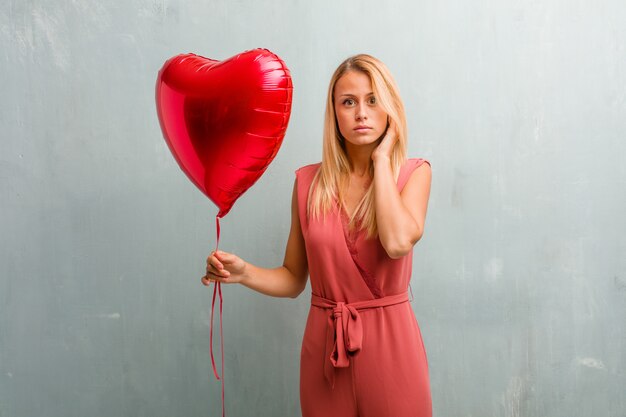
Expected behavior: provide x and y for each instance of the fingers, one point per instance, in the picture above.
(214, 264)
(210, 277)
(224, 257)
(219, 272)
(219, 258)
(213, 261)
(393, 127)
(215, 270)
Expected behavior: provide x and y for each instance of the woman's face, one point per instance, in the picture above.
(360, 118)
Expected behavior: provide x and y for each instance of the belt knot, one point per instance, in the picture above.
(344, 334)
(348, 330)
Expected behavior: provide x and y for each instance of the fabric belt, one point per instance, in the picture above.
(344, 334)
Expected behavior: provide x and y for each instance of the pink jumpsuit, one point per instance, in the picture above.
(362, 351)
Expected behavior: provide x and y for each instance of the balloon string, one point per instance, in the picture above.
(222, 349)
(218, 290)
(217, 227)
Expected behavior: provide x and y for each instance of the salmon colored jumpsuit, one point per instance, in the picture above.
(362, 351)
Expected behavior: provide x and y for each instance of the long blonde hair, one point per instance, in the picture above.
(331, 179)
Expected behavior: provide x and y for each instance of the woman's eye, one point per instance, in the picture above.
(350, 101)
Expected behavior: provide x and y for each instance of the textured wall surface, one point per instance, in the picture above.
(519, 280)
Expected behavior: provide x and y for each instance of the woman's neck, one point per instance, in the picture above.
(360, 158)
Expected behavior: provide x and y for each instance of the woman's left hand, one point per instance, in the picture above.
(386, 145)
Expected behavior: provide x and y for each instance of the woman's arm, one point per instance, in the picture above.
(400, 217)
(288, 280)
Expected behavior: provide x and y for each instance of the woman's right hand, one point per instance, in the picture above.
(224, 267)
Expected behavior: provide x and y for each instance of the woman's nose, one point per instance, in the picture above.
(361, 112)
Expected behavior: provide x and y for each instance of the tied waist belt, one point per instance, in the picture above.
(345, 330)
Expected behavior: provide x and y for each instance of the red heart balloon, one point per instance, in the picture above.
(224, 121)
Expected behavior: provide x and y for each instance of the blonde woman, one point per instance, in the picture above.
(356, 216)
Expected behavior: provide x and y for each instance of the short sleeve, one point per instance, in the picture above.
(411, 165)
(304, 177)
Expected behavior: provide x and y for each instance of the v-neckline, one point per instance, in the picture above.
(351, 239)
(351, 236)
(344, 214)
(359, 201)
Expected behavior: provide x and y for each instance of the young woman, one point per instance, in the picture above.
(356, 216)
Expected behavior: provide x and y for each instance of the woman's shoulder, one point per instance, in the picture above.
(409, 167)
(308, 169)
(305, 175)
(415, 162)
(411, 164)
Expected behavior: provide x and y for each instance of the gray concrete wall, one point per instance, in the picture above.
(519, 280)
